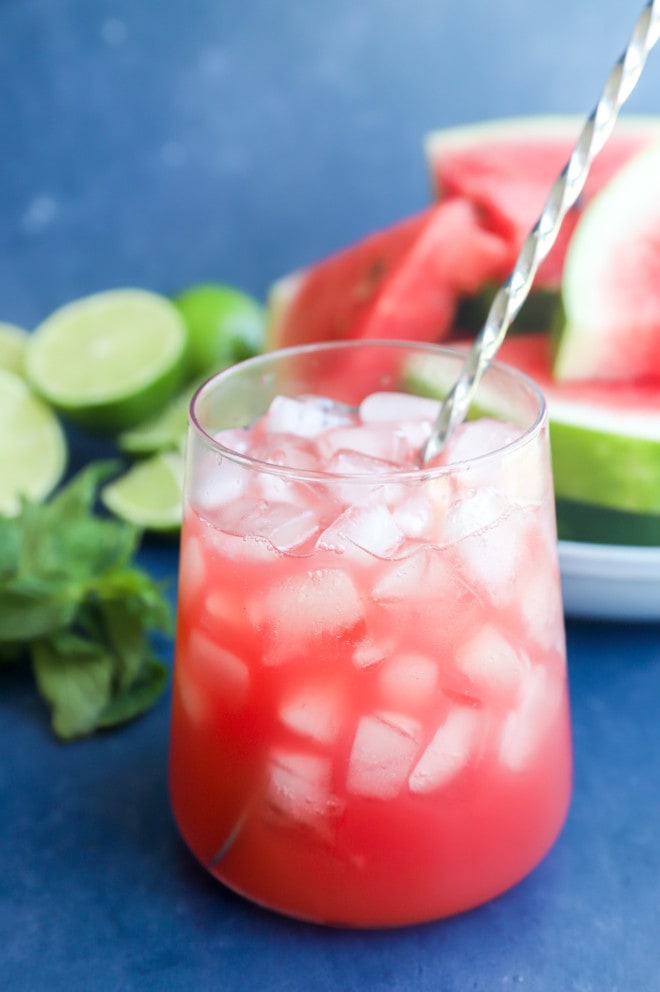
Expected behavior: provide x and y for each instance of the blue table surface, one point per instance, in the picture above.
(161, 144)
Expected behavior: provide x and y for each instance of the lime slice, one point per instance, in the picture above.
(33, 448)
(149, 494)
(224, 326)
(109, 360)
(165, 431)
(162, 432)
(13, 342)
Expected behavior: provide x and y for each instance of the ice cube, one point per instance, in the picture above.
(286, 450)
(216, 481)
(540, 604)
(493, 666)
(299, 787)
(372, 650)
(473, 512)
(314, 710)
(234, 438)
(276, 488)
(395, 407)
(282, 526)
(345, 461)
(410, 418)
(450, 750)
(383, 751)
(348, 490)
(286, 527)
(306, 416)
(475, 438)
(494, 555)
(525, 727)
(407, 681)
(427, 573)
(192, 571)
(208, 674)
(307, 605)
(367, 526)
(416, 516)
(220, 608)
(245, 547)
(379, 442)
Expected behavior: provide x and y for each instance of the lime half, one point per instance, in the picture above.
(33, 448)
(13, 342)
(109, 360)
(150, 493)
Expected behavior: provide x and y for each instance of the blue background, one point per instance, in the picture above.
(159, 143)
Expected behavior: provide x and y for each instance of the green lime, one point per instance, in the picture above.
(150, 493)
(109, 360)
(33, 450)
(13, 342)
(224, 326)
(164, 431)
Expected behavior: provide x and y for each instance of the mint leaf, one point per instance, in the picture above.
(137, 697)
(32, 607)
(73, 601)
(74, 675)
(66, 537)
(10, 542)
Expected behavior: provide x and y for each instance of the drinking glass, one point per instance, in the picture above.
(370, 717)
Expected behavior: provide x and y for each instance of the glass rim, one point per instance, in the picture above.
(397, 475)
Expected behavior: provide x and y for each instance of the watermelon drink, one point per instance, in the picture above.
(370, 718)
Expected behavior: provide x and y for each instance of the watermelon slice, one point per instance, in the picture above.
(605, 442)
(611, 281)
(401, 282)
(506, 169)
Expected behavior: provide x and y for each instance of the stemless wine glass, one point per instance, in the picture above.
(370, 721)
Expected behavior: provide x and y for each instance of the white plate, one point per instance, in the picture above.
(610, 581)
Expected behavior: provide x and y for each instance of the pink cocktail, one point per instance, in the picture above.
(370, 719)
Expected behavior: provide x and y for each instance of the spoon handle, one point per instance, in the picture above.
(508, 300)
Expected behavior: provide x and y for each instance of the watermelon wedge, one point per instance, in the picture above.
(506, 167)
(605, 442)
(401, 282)
(611, 283)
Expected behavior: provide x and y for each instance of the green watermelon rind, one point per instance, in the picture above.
(605, 469)
(589, 342)
(586, 523)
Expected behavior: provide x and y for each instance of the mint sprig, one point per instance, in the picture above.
(74, 604)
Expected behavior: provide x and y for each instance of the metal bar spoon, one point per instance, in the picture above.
(508, 300)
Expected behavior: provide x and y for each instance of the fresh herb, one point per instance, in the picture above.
(74, 604)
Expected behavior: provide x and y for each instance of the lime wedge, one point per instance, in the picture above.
(33, 449)
(149, 494)
(109, 360)
(165, 431)
(13, 342)
(162, 432)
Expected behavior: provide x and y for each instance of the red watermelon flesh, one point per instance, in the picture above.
(402, 282)
(582, 400)
(506, 169)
